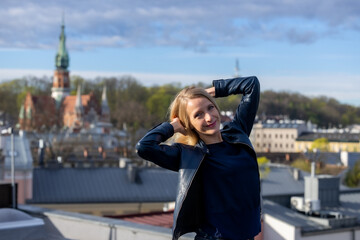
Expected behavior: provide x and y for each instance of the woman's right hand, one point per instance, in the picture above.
(178, 127)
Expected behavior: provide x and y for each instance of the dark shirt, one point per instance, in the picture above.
(231, 192)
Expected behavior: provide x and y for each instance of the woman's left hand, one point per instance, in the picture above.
(178, 127)
(211, 91)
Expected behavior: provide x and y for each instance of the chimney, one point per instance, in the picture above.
(313, 169)
(344, 157)
(41, 152)
(296, 174)
(133, 173)
(323, 188)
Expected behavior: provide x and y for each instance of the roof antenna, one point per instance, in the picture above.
(63, 18)
(237, 68)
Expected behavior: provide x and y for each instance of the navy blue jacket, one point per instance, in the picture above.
(187, 159)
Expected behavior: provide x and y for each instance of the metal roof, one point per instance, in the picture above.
(289, 216)
(102, 185)
(280, 181)
(332, 137)
(349, 204)
(282, 125)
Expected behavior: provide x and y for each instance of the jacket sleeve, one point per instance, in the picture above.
(249, 87)
(151, 147)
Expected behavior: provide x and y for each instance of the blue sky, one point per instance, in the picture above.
(308, 47)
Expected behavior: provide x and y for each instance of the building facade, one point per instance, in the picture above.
(61, 110)
(338, 141)
(277, 136)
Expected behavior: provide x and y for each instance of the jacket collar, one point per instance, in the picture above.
(202, 146)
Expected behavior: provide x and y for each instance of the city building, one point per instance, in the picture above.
(277, 136)
(61, 110)
(338, 141)
(15, 147)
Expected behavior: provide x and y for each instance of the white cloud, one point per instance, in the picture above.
(191, 24)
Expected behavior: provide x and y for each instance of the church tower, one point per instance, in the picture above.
(61, 81)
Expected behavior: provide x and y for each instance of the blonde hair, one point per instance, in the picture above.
(178, 108)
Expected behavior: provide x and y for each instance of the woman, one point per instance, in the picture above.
(219, 188)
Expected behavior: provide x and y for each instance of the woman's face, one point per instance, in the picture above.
(204, 119)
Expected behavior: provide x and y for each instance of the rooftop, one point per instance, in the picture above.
(60, 225)
(332, 137)
(103, 185)
(349, 208)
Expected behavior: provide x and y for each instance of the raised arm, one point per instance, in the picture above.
(150, 147)
(250, 88)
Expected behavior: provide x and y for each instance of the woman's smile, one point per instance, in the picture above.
(211, 125)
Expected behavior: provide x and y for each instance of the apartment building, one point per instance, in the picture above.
(338, 141)
(278, 136)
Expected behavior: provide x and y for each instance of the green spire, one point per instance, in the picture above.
(62, 56)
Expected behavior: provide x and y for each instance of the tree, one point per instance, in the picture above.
(320, 144)
(323, 111)
(352, 178)
(229, 103)
(318, 148)
(158, 103)
(264, 169)
(13, 93)
(75, 81)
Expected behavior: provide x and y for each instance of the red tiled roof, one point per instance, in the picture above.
(44, 104)
(161, 219)
(70, 101)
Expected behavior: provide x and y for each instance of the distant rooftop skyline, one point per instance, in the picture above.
(290, 46)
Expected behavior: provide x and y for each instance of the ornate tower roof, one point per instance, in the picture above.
(62, 56)
(61, 80)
